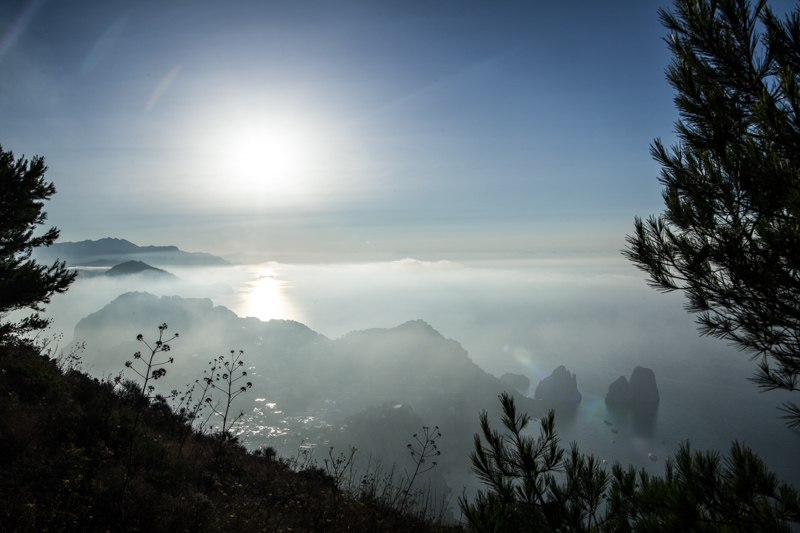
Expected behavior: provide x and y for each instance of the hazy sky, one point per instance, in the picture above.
(341, 127)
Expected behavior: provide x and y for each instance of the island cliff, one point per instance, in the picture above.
(560, 387)
(640, 390)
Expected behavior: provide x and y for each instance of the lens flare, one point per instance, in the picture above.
(104, 44)
(19, 25)
(161, 87)
(523, 356)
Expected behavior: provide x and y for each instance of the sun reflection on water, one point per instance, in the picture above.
(265, 297)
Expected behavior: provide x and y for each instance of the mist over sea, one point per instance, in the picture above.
(595, 315)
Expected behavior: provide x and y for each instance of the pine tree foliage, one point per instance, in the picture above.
(703, 491)
(520, 473)
(25, 284)
(533, 485)
(729, 237)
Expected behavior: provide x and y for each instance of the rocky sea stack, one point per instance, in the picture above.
(640, 390)
(619, 392)
(560, 387)
(643, 386)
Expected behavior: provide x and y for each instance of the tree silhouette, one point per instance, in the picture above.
(730, 236)
(25, 284)
(533, 485)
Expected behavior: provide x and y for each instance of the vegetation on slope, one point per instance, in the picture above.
(66, 439)
(533, 485)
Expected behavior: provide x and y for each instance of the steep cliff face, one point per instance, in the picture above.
(640, 390)
(643, 386)
(619, 392)
(559, 387)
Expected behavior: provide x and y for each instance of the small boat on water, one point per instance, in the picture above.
(652, 457)
(615, 430)
(608, 423)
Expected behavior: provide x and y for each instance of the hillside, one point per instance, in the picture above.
(311, 389)
(130, 268)
(66, 439)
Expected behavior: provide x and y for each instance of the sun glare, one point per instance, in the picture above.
(254, 154)
(271, 159)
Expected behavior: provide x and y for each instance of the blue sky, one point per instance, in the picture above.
(341, 128)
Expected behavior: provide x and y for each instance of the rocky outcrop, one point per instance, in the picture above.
(619, 392)
(518, 381)
(643, 386)
(559, 387)
(640, 390)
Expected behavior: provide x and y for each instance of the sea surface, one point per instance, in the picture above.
(595, 316)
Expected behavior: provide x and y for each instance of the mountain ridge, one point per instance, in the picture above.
(306, 387)
(109, 251)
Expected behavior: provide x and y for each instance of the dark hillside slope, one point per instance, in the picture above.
(65, 439)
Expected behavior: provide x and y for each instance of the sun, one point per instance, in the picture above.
(251, 155)
(266, 158)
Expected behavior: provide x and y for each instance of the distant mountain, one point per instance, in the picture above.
(109, 252)
(129, 268)
(309, 387)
